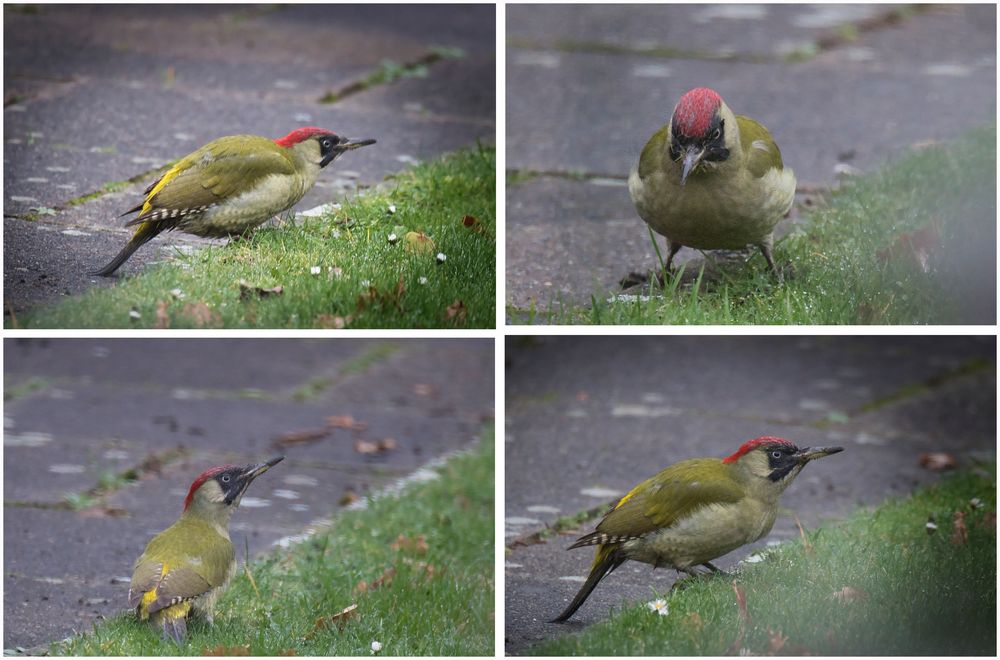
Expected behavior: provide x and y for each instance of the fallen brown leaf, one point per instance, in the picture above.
(365, 447)
(162, 320)
(301, 437)
(348, 497)
(345, 422)
(226, 650)
(418, 243)
(472, 223)
(937, 461)
(850, 595)
(340, 618)
(960, 535)
(201, 314)
(248, 291)
(915, 247)
(456, 312)
(417, 544)
(331, 322)
(423, 389)
(776, 641)
(103, 512)
(989, 521)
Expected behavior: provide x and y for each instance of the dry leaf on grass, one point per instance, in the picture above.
(331, 322)
(227, 650)
(377, 447)
(162, 320)
(201, 314)
(456, 312)
(960, 535)
(249, 291)
(340, 619)
(850, 595)
(349, 497)
(383, 580)
(472, 223)
(417, 544)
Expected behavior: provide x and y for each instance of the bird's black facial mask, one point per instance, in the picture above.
(713, 142)
(782, 459)
(329, 149)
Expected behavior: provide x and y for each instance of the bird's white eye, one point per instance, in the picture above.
(717, 134)
(225, 478)
(775, 454)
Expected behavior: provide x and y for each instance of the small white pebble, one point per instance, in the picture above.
(392, 208)
(134, 314)
(376, 647)
(177, 293)
(441, 257)
(393, 238)
(423, 280)
(315, 270)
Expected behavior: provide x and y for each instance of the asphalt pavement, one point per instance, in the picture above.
(79, 412)
(587, 418)
(839, 86)
(95, 95)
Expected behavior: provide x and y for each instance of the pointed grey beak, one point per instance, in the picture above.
(692, 156)
(355, 144)
(809, 453)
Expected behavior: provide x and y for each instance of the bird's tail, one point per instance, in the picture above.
(142, 235)
(607, 559)
(174, 628)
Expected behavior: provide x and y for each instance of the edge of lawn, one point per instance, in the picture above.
(411, 568)
(914, 576)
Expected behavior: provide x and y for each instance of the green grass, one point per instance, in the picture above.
(364, 279)
(853, 259)
(438, 600)
(914, 593)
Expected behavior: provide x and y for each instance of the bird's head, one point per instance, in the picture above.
(771, 464)
(703, 131)
(318, 145)
(217, 491)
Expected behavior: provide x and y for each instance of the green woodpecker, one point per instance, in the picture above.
(233, 184)
(186, 567)
(695, 511)
(712, 180)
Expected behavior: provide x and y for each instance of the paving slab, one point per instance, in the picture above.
(78, 410)
(574, 108)
(116, 92)
(589, 417)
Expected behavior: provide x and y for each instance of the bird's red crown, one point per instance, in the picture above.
(694, 112)
(202, 478)
(300, 134)
(750, 445)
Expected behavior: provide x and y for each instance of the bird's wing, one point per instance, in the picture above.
(215, 172)
(759, 149)
(651, 159)
(144, 578)
(178, 585)
(671, 495)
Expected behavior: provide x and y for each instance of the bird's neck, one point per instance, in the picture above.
(215, 514)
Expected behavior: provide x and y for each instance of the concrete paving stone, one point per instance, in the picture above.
(717, 29)
(599, 113)
(587, 419)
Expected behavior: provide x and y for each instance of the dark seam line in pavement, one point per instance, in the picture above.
(389, 72)
(908, 391)
(560, 525)
(153, 463)
(831, 39)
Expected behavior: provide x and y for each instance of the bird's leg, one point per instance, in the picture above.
(765, 249)
(672, 249)
(712, 567)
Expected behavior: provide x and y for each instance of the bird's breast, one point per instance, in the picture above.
(725, 208)
(270, 196)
